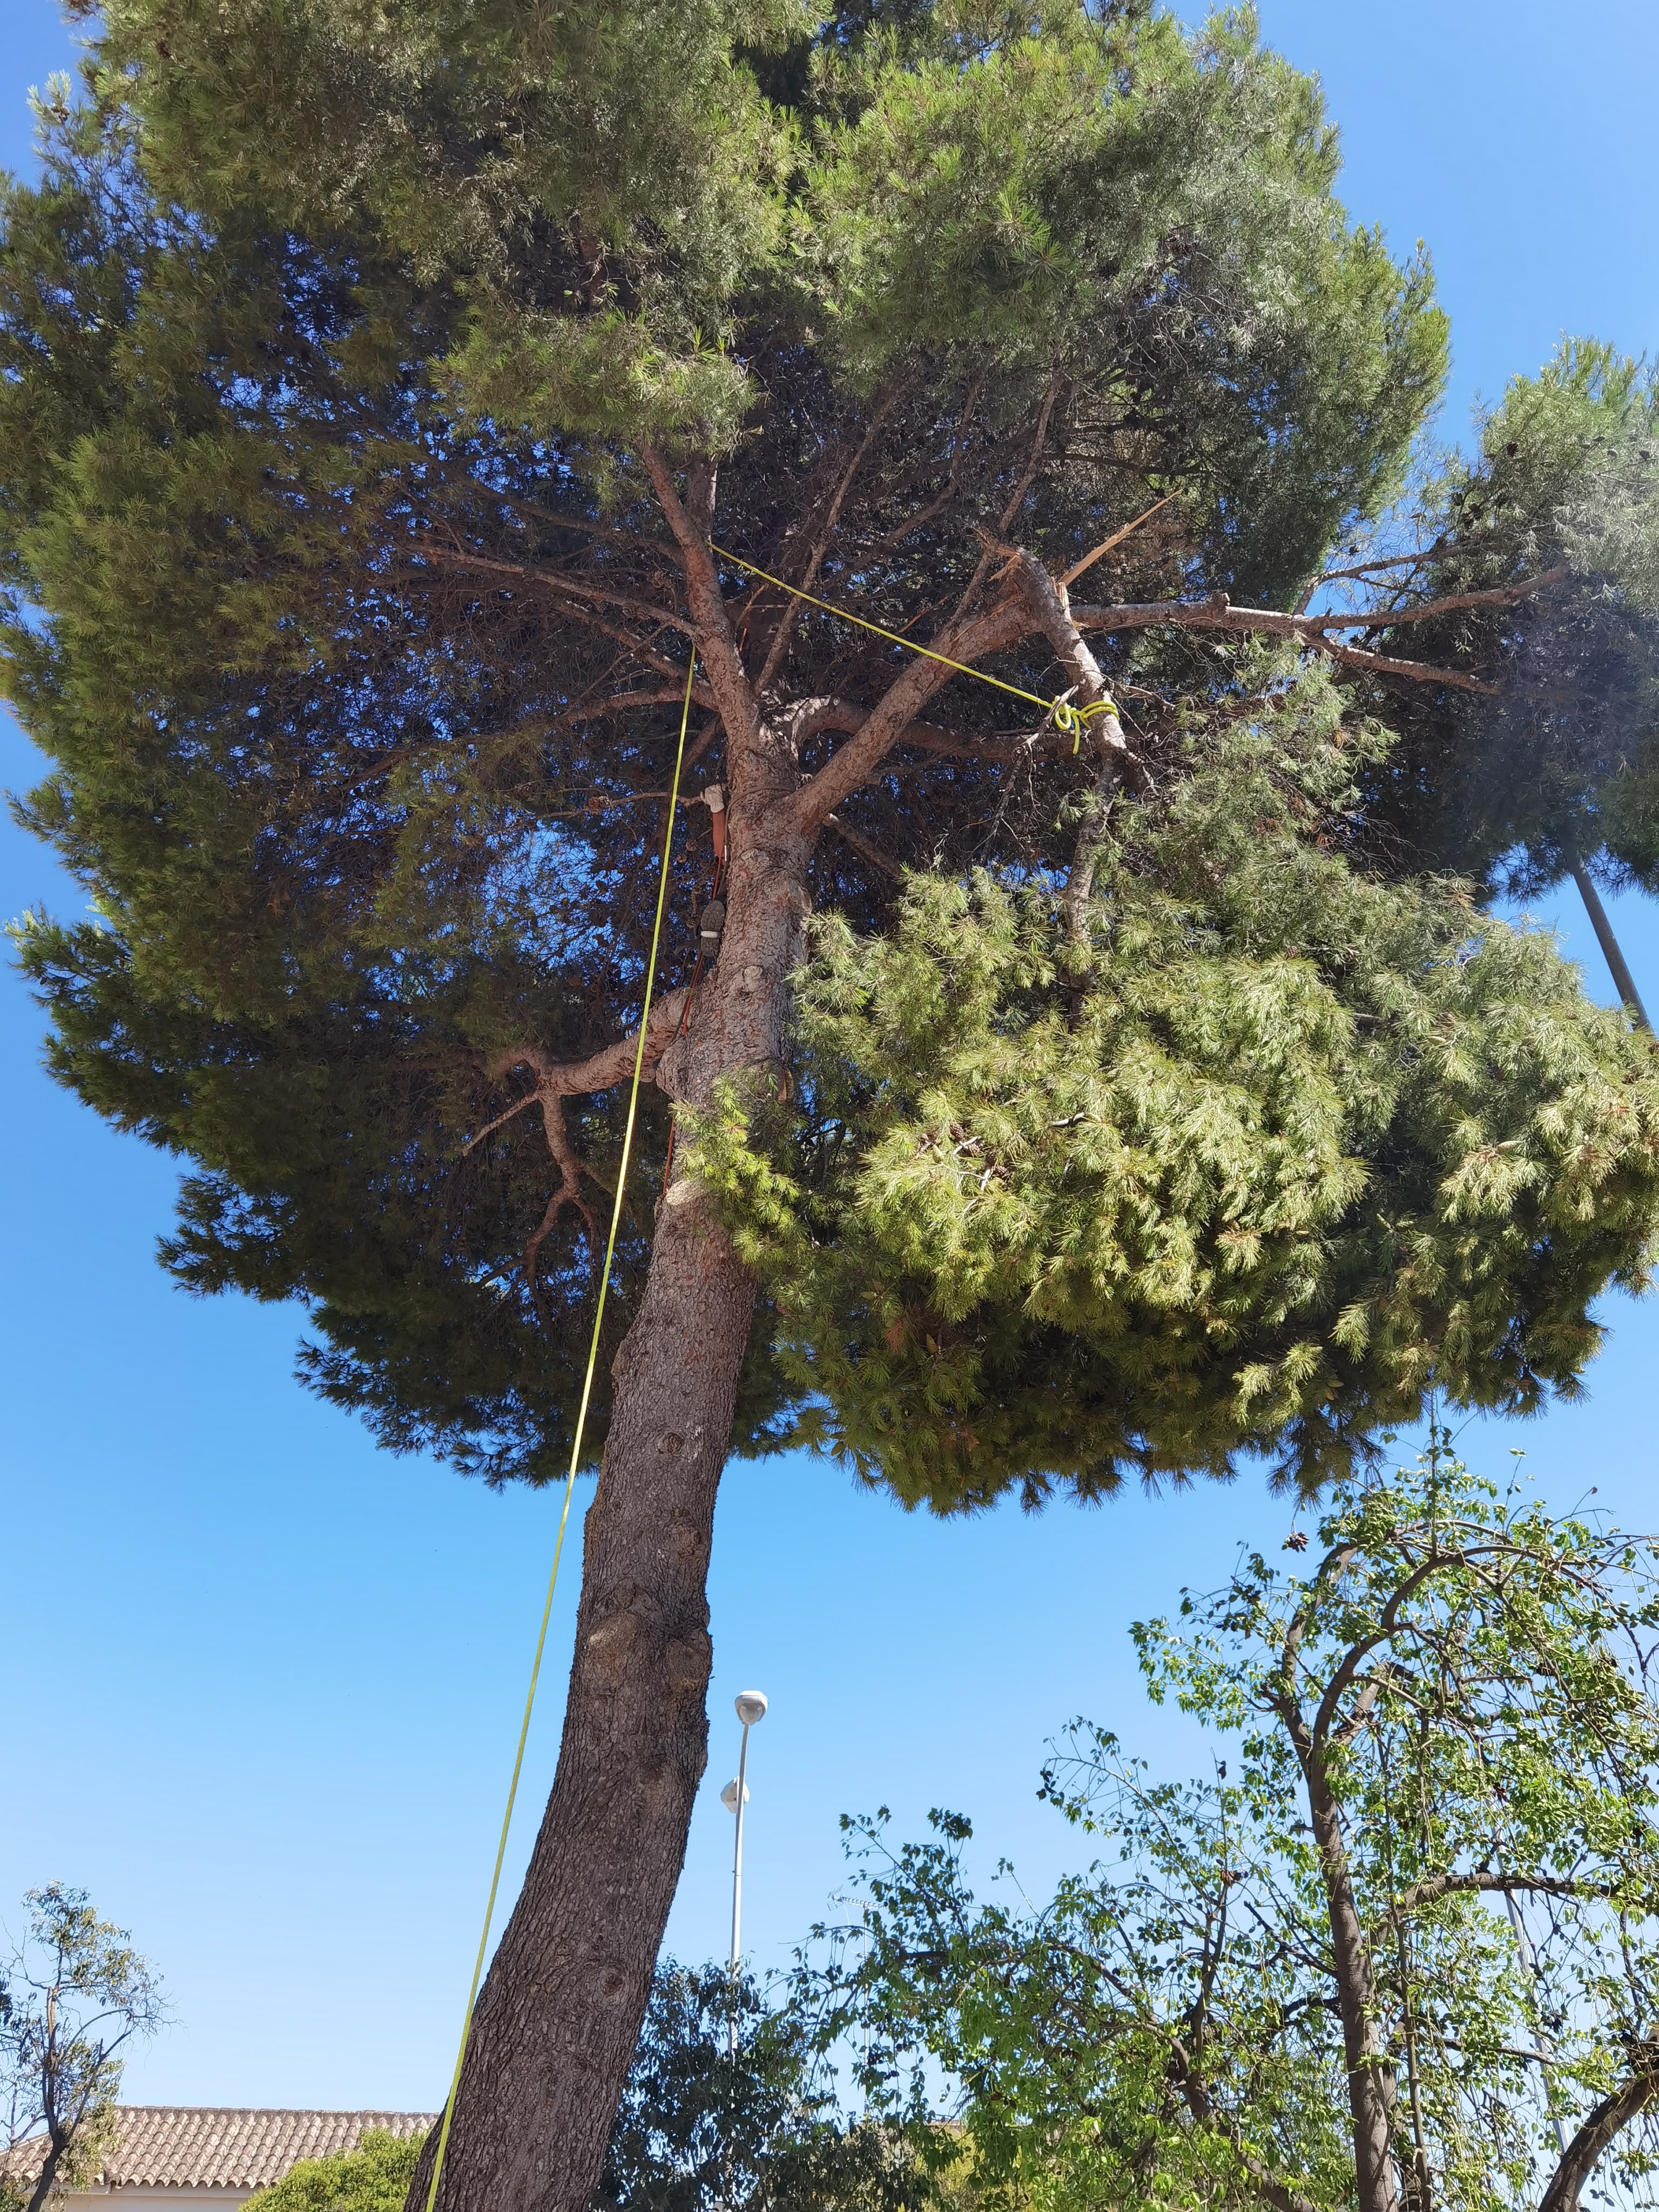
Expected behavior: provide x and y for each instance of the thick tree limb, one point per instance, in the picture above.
(601, 1070)
(727, 678)
(1512, 1885)
(967, 639)
(1602, 2128)
(971, 638)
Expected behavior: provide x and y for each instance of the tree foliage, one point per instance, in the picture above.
(1556, 763)
(373, 2176)
(1398, 1948)
(703, 2125)
(1307, 1142)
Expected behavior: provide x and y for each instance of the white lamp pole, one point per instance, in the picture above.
(750, 1707)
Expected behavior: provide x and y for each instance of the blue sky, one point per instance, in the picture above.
(264, 1680)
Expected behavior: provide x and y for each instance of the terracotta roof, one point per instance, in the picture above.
(220, 2146)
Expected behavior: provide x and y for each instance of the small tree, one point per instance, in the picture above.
(71, 1996)
(373, 2177)
(704, 2124)
(1404, 1955)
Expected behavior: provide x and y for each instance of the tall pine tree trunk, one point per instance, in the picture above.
(559, 2013)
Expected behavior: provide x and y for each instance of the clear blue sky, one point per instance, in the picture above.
(263, 1682)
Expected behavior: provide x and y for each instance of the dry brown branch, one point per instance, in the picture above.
(1415, 671)
(871, 853)
(926, 513)
(1110, 544)
(1005, 522)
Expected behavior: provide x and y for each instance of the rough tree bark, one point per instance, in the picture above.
(1372, 2097)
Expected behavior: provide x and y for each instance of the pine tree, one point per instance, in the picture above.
(389, 398)
(1549, 766)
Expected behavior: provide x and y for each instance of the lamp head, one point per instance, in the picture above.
(729, 1795)
(750, 1706)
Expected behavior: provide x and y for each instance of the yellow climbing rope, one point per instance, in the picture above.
(1065, 716)
(575, 1445)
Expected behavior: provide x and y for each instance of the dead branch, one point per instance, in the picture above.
(867, 852)
(1110, 544)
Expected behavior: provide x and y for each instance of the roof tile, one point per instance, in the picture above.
(220, 2146)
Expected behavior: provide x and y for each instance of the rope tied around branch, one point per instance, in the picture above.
(1061, 712)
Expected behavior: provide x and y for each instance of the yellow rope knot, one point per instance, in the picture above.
(1064, 715)
(1074, 720)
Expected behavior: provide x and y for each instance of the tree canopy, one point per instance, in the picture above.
(1396, 1949)
(73, 1996)
(323, 467)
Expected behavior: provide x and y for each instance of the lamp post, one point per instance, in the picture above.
(750, 1706)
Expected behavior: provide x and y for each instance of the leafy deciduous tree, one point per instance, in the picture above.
(72, 1995)
(1403, 1954)
(373, 2177)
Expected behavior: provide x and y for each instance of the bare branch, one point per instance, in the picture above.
(780, 644)
(1414, 671)
(556, 579)
(1006, 521)
(1110, 544)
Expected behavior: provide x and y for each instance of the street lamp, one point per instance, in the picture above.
(750, 1706)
